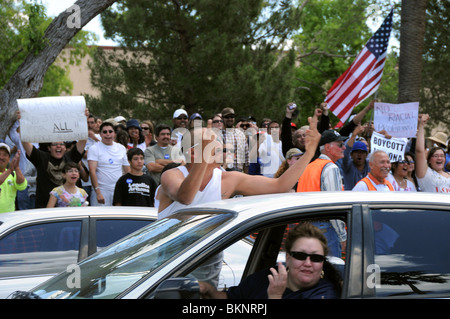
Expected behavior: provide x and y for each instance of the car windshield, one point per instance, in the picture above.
(114, 269)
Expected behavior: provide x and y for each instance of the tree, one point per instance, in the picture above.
(27, 80)
(435, 92)
(332, 34)
(201, 54)
(412, 33)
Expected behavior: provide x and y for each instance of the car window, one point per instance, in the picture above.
(111, 230)
(412, 252)
(40, 248)
(232, 262)
(114, 269)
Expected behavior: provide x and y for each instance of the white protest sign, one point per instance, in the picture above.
(53, 119)
(399, 120)
(394, 147)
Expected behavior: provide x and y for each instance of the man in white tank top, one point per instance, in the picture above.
(202, 180)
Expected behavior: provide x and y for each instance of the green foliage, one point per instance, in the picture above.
(436, 83)
(333, 32)
(22, 32)
(204, 55)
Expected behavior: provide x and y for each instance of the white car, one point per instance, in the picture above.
(37, 244)
(398, 245)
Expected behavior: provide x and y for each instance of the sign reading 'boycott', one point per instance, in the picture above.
(394, 147)
(399, 120)
(53, 119)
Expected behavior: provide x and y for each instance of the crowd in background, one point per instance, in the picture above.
(122, 160)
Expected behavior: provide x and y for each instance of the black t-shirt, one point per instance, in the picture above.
(132, 190)
(49, 172)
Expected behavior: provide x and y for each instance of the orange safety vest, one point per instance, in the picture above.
(372, 187)
(310, 179)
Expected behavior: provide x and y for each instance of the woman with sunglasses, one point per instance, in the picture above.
(398, 178)
(411, 175)
(430, 170)
(307, 275)
(217, 122)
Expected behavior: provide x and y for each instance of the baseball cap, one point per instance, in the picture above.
(227, 111)
(359, 146)
(179, 112)
(5, 146)
(195, 116)
(293, 152)
(133, 123)
(119, 118)
(329, 136)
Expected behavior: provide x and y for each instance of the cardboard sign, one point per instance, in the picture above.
(399, 120)
(53, 119)
(394, 147)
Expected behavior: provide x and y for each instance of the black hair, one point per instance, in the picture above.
(134, 151)
(161, 127)
(70, 165)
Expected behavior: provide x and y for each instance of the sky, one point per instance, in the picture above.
(55, 7)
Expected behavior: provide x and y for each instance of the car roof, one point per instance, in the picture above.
(283, 201)
(29, 215)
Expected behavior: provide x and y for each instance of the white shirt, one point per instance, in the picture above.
(110, 160)
(271, 156)
(410, 187)
(212, 192)
(361, 186)
(434, 182)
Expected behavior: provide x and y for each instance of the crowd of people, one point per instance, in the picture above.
(122, 161)
(197, 160)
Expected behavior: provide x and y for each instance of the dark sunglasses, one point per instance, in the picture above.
(145, 128)
(106, 132)
(231, 116)
(315, 258)
(181, 118)
(217, 121)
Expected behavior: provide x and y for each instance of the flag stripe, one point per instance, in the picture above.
(352, 89)
(363, 77)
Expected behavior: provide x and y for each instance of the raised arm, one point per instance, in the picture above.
(255, 185)
(421, 156)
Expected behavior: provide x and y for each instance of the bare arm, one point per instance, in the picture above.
(94, 180)
(181, 189)
(51, 202)
(255, 185)
(421, 157)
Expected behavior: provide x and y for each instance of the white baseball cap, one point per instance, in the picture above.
(179, 112)
(3, 145)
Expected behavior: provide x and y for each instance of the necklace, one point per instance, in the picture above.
(401, 182)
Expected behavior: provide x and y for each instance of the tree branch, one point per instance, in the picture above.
(28, 79)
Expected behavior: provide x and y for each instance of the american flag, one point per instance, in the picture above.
(363, 77)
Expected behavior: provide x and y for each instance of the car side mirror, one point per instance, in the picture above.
(178, 288)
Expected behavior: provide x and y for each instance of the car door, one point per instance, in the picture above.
(408, 251)
(106, 230)
(33, 252)
(257, 244)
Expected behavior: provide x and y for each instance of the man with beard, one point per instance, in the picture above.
(156, 157)
(380, 166)
(355, 165)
